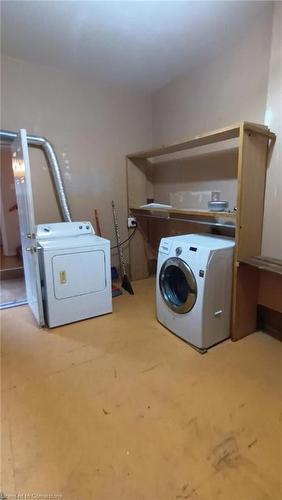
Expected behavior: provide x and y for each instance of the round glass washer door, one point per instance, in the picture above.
(178, 285)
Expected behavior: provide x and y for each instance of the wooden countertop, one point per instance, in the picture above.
(264, 263)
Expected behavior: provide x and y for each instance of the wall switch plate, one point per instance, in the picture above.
(131, 222)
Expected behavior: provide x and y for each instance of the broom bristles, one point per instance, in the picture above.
(127, 285)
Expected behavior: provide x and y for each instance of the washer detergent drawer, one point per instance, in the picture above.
(78, 273)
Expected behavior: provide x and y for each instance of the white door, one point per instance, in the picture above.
(22, 176)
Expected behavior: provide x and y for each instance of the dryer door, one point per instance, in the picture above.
(178, 285)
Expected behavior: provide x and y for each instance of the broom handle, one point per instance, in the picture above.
(98, 227)
(120, 252)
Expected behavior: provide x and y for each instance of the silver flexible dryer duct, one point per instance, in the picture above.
(54, 167)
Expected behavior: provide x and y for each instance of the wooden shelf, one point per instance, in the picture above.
(213, 137)
(214, 219)
(266, 273)
(174, 212)
(264, 263)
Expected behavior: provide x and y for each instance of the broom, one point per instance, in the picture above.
(115, 291)
(126, 285)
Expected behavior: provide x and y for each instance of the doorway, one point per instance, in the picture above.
(12, 284)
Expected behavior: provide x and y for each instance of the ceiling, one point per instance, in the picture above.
(143, 44)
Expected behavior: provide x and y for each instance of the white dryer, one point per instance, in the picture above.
(75, 272)
(194, 286)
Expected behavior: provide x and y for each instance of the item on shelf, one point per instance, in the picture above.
(155, 205)
(215, 196)
(218, 206)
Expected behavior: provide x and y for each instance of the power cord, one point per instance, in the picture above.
(127, 240)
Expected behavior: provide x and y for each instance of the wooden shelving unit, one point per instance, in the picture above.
(226, 219)
(255, 143)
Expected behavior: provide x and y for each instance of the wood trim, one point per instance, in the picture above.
(252, 160)
(251, 189)
(244, 311)
(239, 183)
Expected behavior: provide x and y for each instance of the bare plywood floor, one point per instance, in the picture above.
(117, 408)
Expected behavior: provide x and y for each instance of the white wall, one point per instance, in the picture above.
(92, 126)
(272, 233)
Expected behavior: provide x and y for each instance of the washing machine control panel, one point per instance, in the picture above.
(178, 251)
(165, 246)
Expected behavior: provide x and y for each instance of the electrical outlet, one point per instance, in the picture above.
(131, 222)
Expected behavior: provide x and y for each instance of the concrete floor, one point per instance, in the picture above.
(117, 408)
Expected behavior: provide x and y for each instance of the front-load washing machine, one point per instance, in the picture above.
(75, 272)
(194, 286)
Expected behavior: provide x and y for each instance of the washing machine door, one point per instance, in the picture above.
(178, 285)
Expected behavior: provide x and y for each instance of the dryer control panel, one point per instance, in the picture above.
(63, 230)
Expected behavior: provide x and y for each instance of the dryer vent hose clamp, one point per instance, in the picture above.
(54, 167)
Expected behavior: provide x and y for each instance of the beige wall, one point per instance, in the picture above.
(224, 91)
(240, 85)
(272, 233)
(188, 182)
(92, 126)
